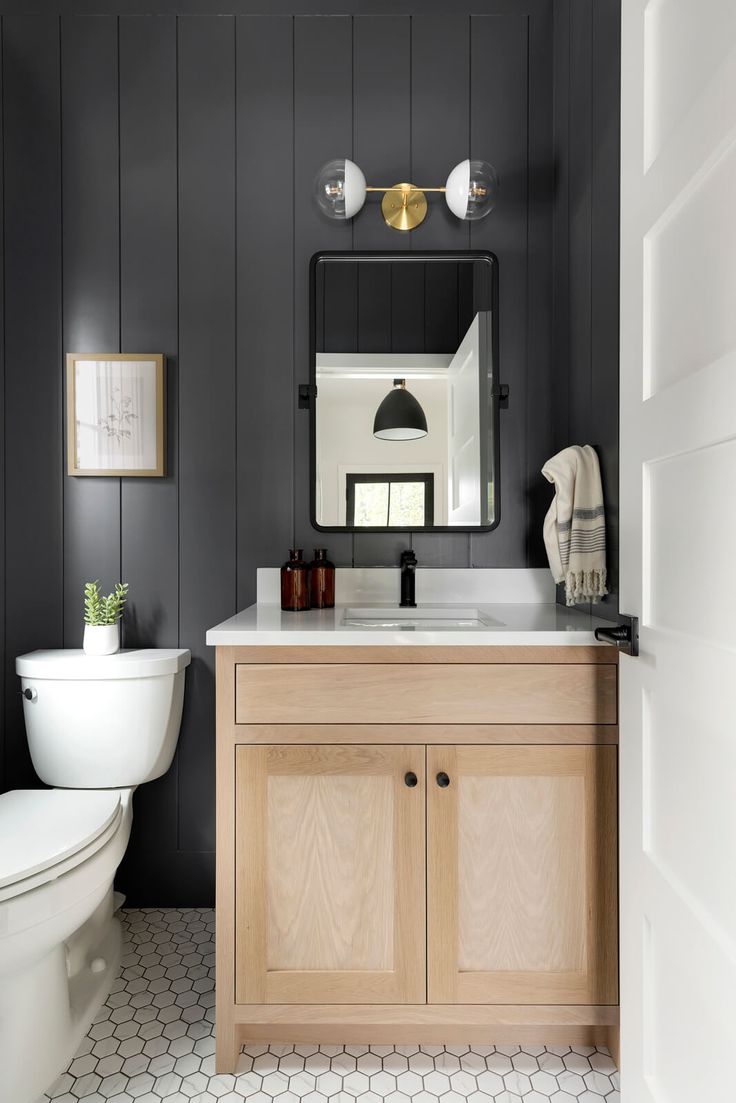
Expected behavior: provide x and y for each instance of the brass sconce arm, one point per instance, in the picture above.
(393, 187)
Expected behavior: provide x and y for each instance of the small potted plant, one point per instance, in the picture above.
(102, 618)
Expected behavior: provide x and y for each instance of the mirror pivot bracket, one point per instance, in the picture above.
(307, 391)
(501, 392)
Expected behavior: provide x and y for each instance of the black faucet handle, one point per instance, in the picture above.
(408, 558)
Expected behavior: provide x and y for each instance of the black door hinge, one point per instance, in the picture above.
(624, 636)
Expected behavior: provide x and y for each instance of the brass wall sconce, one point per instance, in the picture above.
(470, 193)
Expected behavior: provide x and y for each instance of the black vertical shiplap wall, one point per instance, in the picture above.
(586, 241)
(207, 399)
(149, 309)
(382, 139)
(440, 138)
(157, 197)
(323, 129)
(500, 74)
(90, 185)
(149, 319)
(32, 345)
(264, 80)
(2, 422)
(600, 424)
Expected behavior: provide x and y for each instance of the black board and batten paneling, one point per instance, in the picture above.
(157, 197)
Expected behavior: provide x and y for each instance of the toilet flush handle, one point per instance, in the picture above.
(30, 694)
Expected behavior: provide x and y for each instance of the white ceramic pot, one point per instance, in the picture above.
(101, 639)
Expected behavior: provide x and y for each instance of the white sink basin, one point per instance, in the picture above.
(428, 618)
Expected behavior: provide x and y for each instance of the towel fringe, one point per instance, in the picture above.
(585, 585)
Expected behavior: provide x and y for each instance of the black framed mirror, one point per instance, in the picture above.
(404, 394)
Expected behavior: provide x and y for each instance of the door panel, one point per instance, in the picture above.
(330, 874)
(521, 875)
(678, 531)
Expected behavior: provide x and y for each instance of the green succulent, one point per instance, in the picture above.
(100, 609)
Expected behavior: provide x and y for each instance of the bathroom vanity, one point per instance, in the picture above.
(417, 832)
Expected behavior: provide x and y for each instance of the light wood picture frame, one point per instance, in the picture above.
(115, 414)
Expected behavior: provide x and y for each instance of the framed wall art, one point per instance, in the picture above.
(115, 414)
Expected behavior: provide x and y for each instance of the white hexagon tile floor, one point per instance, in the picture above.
(153, 1041)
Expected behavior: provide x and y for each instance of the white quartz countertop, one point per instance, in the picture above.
(538, 623)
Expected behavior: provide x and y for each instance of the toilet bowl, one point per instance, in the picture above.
(97, 728)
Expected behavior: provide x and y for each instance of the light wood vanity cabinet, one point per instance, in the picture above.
(521, 865)
(329, 875)
(416, 844)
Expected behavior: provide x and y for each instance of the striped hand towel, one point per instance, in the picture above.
(575, 525)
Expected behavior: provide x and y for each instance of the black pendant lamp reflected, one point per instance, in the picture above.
(399, 417)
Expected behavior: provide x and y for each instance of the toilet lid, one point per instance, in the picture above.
(145, 662)
(41, 827)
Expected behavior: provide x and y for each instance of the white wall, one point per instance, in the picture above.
(345, 441)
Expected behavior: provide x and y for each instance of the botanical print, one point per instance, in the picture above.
(121, 414)
(115, 415)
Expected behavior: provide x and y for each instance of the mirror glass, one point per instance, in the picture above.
(405, 418)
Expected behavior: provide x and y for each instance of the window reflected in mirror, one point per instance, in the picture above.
(389, 500)
(404, 431)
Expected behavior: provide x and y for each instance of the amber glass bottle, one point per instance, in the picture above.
(295, 583)
(322, 580)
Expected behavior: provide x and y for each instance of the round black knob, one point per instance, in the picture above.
(442, 779)
(410, 779)
(29, 694)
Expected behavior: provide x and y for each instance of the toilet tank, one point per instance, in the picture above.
(98, 722)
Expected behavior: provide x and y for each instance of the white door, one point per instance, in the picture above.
(467, 430)
(678, 551)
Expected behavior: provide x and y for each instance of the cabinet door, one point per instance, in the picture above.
(522, 874)
(330, 875)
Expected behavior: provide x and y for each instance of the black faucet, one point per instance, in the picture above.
(408, 580)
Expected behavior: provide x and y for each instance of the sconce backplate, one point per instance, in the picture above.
(404, 207)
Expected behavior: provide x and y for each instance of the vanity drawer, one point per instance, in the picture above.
(467, 693)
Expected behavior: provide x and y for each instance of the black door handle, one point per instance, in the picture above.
(442, 779)
(410, 779)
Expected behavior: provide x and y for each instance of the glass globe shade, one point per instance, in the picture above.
(471, 190)
(340, 189)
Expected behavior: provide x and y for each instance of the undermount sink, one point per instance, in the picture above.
(429, 618)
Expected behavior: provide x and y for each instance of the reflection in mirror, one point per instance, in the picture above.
(404, 431)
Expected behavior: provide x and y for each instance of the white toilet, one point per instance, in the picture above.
(97, 727)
